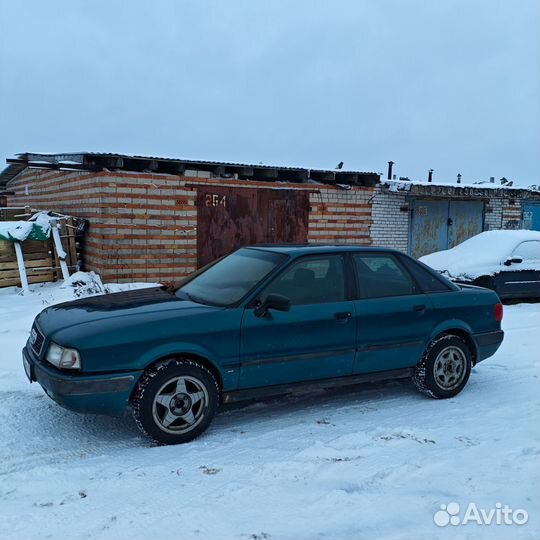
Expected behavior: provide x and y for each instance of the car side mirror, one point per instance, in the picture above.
(513, 260)
(273, 301)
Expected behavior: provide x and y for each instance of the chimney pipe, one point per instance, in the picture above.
(491, 179)
(390, 165)
(430, 175)
(459, 178)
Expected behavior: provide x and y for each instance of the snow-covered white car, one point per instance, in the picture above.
(506, 261)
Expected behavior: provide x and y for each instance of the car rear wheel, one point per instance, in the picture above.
(175, 401)
(445, 367)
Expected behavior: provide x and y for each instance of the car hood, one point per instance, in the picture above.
(152, 300)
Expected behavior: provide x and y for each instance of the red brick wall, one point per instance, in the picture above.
(143, 226)
(72, 193)
(512, 215)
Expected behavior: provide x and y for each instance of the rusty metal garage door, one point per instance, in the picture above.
(231, 217)
(438, 224)
(465, 219)
(429, 227)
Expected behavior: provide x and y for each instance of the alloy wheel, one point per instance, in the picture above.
(179, 404)
(449, 368)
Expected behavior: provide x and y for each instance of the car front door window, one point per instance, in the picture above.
(311, 281)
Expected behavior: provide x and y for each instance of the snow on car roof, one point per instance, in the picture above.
(479, 255)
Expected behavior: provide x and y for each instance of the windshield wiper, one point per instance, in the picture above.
(193, 298)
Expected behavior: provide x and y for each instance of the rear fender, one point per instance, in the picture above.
(457, 327)
(450, 324)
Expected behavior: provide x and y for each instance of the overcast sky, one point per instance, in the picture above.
(449, 85)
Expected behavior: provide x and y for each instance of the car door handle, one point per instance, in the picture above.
(420, 308)
(343, 315)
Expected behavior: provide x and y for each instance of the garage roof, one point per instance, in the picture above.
(95, 161)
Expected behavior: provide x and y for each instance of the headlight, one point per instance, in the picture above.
(63, 358)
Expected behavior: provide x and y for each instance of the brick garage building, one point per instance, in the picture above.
(420, 218)
(154, 219)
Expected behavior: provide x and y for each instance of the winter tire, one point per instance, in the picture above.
(445, 367)
(175, 401)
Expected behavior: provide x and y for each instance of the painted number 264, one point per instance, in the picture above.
(213, 199)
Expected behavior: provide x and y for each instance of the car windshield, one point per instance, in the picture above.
(231, 278)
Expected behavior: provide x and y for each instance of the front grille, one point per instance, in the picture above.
(36, 339)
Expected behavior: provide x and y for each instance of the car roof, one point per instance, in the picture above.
(312, 248)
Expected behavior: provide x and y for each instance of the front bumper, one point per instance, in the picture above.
(487, 344)
(100, 394)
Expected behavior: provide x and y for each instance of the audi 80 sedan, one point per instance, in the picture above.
(262, 321)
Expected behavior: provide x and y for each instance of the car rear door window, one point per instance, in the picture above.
(313, 280)
(381, 275)
(427, 281)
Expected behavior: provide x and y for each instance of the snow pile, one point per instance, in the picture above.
(89, 284)
(481, 255)
(78, 285)
(85, 284)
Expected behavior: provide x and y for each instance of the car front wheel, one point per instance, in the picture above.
(175, 401)
(445, 367)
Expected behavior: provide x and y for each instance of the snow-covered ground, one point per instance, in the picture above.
(373, 462)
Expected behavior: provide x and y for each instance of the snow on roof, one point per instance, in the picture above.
(480, 255)
(406, 185)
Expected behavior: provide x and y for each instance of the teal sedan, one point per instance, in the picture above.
(262, 321)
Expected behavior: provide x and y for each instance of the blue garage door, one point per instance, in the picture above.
(438, 225)
(531, 216)
(429, 227)
(466, 220)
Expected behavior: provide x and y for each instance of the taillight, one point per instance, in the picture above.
(498, 312)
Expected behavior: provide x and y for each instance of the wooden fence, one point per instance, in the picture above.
(40, 257)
